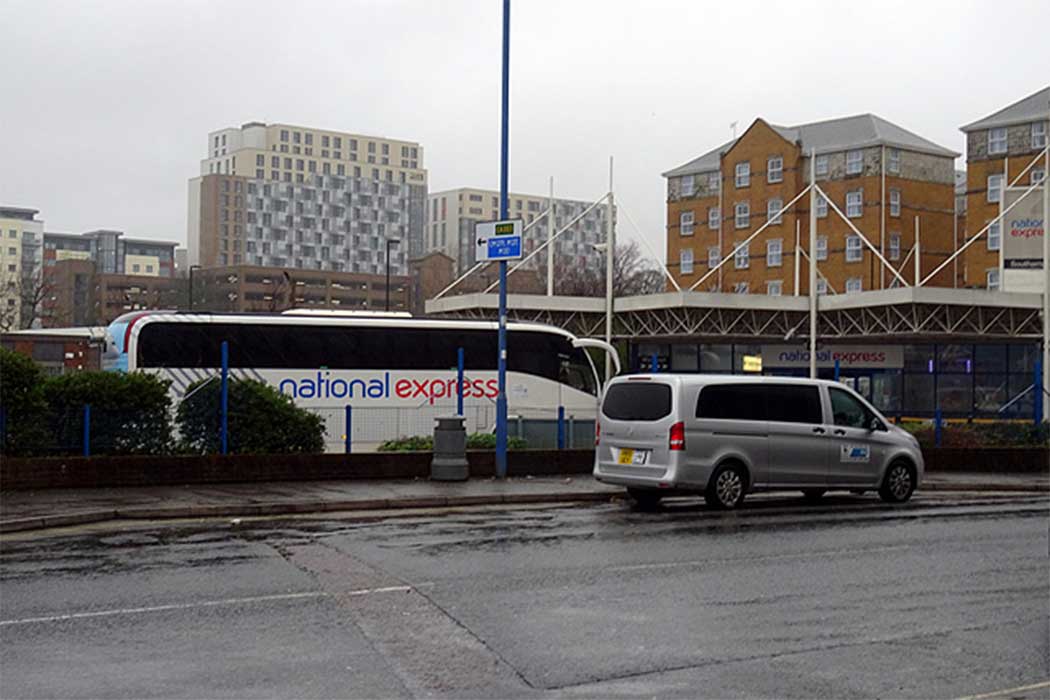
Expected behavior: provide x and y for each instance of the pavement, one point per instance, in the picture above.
(38, 510)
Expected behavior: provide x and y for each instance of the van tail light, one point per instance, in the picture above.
(597, 433)
(678, 436)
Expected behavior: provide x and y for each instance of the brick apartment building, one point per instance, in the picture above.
(877, 173)
(999, 148)
(78, 294)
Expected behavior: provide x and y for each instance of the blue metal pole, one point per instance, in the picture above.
(501, 398)
(459, 381)
(837, 367)
(937, 426)
(654, 363)
(224, 412)
(349, 425)
(1037, 407)
(87, 430)
(561, 427)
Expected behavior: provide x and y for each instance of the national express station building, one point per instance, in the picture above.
(909, 326)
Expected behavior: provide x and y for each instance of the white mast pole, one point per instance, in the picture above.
(1046, 283)
(610, 251)
(798, 240)
(550, 241)
(918, 257)
(812, 263)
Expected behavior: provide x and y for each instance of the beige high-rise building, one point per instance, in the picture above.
(21, 264)
(292, 196)
(452, 215)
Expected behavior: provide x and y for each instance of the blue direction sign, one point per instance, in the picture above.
(498, 240)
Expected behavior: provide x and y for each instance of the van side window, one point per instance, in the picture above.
(790, 403)
(847, 410)
(732, 402)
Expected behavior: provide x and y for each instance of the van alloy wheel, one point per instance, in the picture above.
(898, 484)
(729, 486)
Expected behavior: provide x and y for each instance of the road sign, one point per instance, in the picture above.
(498, 240)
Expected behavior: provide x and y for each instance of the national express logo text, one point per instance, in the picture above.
(324, 386)
(846, 357)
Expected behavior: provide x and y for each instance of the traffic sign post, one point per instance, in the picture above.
(504, 202)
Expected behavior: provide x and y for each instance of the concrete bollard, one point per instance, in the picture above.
(450, 450)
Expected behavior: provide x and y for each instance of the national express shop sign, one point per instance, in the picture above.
(1023, 229)
(848, 356)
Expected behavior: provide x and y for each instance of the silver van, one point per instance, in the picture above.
(726, 435)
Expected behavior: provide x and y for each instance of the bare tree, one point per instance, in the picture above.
(27, 290)
(633, 275)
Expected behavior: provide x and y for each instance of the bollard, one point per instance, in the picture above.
(572, 431)
(937, 427)
(561, 427)
(449, 462)
(349, 424)
(87, 430)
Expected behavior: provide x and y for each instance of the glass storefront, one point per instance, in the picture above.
(961, 379)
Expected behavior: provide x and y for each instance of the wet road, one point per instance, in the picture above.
(945, 597)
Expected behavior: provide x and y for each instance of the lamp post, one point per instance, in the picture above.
(192, 268)
(389, 242)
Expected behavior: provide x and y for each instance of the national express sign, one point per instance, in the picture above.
(1023, 229)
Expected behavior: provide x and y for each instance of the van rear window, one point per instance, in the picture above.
(637, 401)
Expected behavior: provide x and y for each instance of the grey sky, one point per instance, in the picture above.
(106, 105)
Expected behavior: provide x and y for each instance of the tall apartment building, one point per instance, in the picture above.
(998, 149)
(452, 215)
(287, 196)
(112, 253)
(21, 264)
(880, 175)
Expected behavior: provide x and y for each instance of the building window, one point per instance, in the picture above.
(1038, 134)
(714, 257)
(895, 202)
(687, 186)
(854, 249)
(742, 258)
(714, 216)
(685, 261)
(284, 134)
(775, 169)
(1037, 176)
(854, 284)
(743, 214)
(714, 181)
(995, 235)
(822, 165)
(743, 174)
(822, 207)
(893, 160)
(991, 279)
(854, 162)
(741, 288)
(822, 247)
(895, 246)
(685, 221)
(773, 208)
(822, 286)
(855, 204)
(775, 288)
(995, 188)
(997, 140)
(774, 252)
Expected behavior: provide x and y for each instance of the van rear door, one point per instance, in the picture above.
(636, 418)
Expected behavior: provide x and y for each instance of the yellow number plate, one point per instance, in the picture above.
(626, 457)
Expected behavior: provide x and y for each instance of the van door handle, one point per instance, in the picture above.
(819, 430)
(840, 431)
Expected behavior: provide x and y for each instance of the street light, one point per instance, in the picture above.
(389, 242)
(192, 268)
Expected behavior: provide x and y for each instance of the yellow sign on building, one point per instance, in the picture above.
(752, 363)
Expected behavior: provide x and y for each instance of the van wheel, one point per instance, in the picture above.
(727, 487)
(645, 499)
(813, 494)
(899, 483)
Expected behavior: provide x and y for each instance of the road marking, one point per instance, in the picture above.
(1008, 691)
(203, 604)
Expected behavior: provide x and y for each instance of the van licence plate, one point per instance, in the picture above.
(630, 456)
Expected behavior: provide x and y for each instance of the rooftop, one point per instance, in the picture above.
(18, 213)
(827, 137)
(1032, 108)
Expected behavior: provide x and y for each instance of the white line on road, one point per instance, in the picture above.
(202, 604)
(1008, 691)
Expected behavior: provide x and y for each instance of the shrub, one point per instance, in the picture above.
(22, 405)
(425, 443)
(261, 420)
(977, 435)
(129, 412)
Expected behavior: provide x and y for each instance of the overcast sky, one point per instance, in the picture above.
(106, 104)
